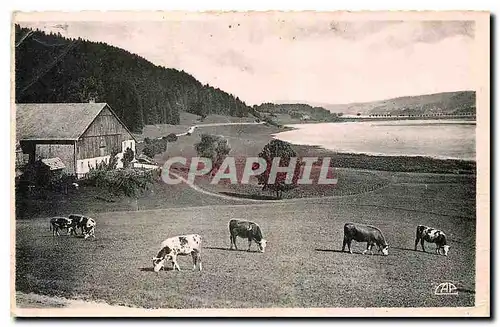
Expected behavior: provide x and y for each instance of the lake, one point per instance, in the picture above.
(443, 139)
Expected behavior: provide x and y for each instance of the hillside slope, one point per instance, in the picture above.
(445, 103)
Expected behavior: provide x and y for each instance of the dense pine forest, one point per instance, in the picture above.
(51, 68)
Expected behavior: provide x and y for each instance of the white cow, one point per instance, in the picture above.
(178, 245)
(89, 228)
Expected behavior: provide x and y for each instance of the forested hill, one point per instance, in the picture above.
(51, 68)
(297, 110)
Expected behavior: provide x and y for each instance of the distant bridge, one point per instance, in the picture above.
(423, 116)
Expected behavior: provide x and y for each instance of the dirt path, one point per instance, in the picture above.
(192, 128)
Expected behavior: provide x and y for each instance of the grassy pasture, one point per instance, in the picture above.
(302, 266)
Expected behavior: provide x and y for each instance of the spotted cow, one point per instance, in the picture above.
(178, 245)
(85, 224)
(431, 235)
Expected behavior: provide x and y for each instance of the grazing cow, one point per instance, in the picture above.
(78, 221)
(248, 230)
(178, 245)
(57, 223)
(86, 225)
(432, 235)
(89, 228)
(364, 233)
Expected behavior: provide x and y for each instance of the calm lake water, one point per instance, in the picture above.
(444, 139)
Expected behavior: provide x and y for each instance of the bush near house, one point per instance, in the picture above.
(128, 157)
(127, 181)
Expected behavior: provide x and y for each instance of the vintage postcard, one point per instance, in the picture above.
(319, 164)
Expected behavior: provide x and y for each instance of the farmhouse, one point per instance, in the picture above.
(81, 135)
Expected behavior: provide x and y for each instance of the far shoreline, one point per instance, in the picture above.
(383, 162)
(249, 140)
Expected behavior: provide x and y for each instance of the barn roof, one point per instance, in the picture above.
(56, 121)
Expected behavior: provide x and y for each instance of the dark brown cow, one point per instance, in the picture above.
(248, 230)
(59, 223)
(364, 233)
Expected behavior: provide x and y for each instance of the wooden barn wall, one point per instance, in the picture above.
(106, 130)
(63, 151)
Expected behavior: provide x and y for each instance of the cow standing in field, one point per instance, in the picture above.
(87, 225)
(57, 223)
(364, 233)
(77, 222)
(178, 245)
(248, 230)
(431, 235)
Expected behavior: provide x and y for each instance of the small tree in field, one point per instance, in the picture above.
(214, 147)
(172, 137)
(284, 151)
(154, 146)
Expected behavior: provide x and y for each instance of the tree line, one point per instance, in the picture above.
(53, 68)
(297, 110)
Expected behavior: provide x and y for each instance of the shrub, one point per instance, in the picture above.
(126, 181)
(111, 164)
(128, 156)
(61, 182)
(172, 137)
(148, 151)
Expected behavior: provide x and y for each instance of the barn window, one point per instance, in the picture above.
(102, 148)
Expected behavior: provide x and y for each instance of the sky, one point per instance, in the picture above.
(317, 60)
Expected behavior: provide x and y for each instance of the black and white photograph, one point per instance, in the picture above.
(176, 163)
